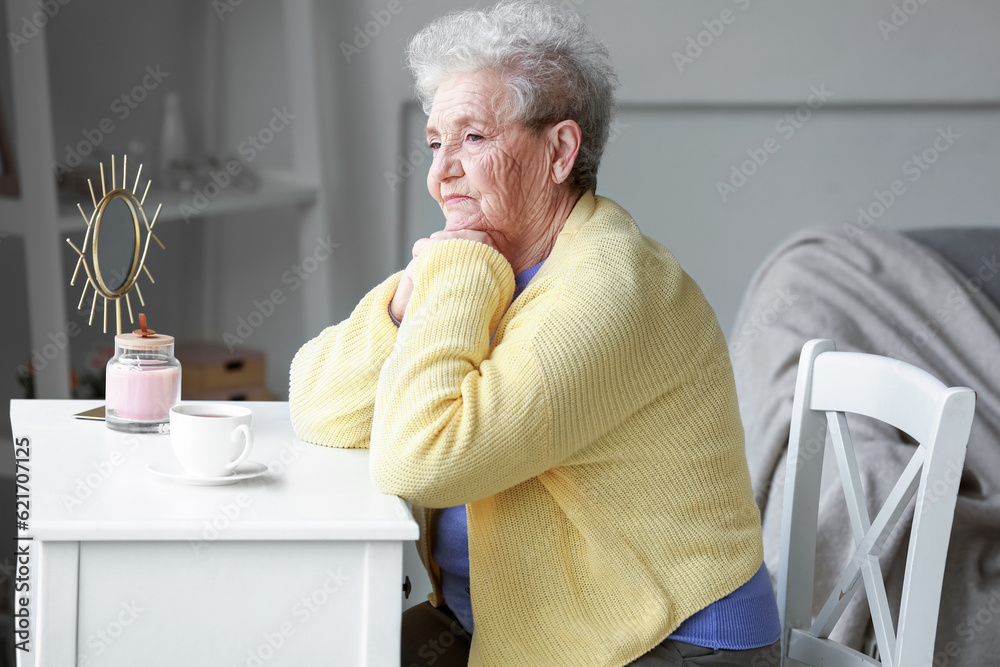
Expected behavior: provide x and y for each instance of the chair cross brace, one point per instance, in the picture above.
(869, 539)
(829, 385)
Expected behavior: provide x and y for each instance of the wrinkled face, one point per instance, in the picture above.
(486, 175)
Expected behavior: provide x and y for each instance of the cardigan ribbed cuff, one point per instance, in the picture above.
(464, 269)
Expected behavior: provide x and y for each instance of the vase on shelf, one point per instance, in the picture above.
(173, 141)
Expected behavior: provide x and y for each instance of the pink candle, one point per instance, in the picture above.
(143, 382)
(144, 390)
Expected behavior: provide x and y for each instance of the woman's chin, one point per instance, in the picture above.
(457, 223)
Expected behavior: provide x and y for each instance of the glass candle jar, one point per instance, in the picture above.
(143, 383)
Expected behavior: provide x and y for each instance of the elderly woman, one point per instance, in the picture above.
(545, 384)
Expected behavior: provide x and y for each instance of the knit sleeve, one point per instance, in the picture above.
(331, 393)
(454, 423)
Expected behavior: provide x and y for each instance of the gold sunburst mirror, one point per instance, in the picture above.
(114, 252)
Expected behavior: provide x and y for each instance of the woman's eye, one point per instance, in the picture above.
(474, 137)
(434, 145)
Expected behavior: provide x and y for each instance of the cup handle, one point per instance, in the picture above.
(247, 445)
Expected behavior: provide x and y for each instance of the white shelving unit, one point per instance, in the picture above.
(277, 189)
(232, 68)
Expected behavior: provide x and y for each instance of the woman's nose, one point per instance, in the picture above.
(446, 164)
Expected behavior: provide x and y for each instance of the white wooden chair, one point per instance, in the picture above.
(830, 384)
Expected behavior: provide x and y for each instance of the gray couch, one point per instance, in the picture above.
(965, 248)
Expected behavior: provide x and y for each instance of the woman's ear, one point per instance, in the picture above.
(564, 143)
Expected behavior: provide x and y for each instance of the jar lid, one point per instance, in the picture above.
(144, 338)
(154, 341)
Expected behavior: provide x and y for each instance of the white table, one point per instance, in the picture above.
(302, 566)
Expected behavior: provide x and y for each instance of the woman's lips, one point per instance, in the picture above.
(455, 199)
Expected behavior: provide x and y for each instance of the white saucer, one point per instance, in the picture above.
(172, 470)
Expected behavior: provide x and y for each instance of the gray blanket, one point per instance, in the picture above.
(883, 294)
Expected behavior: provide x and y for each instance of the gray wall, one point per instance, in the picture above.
(681, 130)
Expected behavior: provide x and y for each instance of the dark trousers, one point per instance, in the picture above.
(433, 636)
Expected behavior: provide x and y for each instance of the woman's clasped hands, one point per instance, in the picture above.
(405, 288)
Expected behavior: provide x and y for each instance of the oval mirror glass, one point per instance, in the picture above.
(116, 244)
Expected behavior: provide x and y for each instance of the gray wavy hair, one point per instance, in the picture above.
(553, 68)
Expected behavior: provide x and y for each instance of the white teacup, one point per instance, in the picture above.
(210, 439)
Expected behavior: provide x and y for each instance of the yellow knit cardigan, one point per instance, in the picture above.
(596, 441)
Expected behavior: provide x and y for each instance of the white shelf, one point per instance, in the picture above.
(277, 189)
(233, 80)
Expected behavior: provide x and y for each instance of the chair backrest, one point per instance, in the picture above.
(830, 384)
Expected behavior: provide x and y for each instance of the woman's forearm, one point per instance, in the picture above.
(333, 377)
(442, 433)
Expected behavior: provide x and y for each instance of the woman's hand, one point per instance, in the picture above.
(404, 290)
